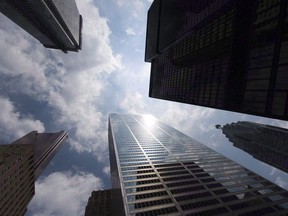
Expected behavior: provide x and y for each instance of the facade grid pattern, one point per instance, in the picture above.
(161, 171)
(264, 142)
(235, 58)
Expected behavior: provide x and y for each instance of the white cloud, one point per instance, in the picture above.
(63, 193)
(282, 182)
(130, 31)
(185, 117)
(71, 84)
(13, 125)
(133, 103)
(106, 170)
(136, 7)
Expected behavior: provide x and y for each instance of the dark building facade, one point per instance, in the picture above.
(161, 171)
(102, 203)
(21, 163)
(229, 54)
(56, 24)
(264, 142)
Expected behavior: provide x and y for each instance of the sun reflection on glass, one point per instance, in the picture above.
(149, 120)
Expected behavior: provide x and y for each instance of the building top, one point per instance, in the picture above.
(45, 147)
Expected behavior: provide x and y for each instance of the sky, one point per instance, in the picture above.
(47, 90)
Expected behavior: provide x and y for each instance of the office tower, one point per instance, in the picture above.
(21, 162)
(55, 23)
(46, 145)
(264, 142)
(229, 54)
(100, 203)
(159, 170)
(16, 178)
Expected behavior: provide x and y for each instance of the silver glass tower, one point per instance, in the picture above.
(160, 171)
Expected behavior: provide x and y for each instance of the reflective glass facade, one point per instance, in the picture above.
(161, 171)
(264, 142)
(230, 54)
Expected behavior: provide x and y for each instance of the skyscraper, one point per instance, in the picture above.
(264, 142)
(159, 170)
(102, 203)
(56, 24)
(21, 163)
(229, 54)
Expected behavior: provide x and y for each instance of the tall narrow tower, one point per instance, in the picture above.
(158, 170)
(264, 142)
(21, 163)
(56, 24)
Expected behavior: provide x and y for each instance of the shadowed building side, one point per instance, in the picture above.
(230, 55)
(56, 24)
(103, 203)
(46, 145)
(16, 178)
(21, 163)
(264, 142)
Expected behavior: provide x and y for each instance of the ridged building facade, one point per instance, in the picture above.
(264, 142)
(21, 163)
(160, 171)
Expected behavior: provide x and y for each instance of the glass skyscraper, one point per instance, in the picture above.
(224, 54)
(56, 24)
(158, 170)
(264, 142)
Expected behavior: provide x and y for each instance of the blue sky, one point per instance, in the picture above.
(47, 90)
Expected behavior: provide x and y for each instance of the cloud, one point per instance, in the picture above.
(136, 7)
(133, 103)
(281, 182)
(70, 85)
(63, 193)
(106, 170)
(130, 31)
(13, 125)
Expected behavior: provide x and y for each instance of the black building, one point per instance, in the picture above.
(56, 24)
(264, 142)
(229, 54)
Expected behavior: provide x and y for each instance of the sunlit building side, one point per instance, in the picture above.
(57, 24)
(229, 54)
(160, 171)
(264, 142)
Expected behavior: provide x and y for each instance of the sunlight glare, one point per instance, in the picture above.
(149, 121)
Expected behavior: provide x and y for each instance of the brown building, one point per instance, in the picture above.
(105, 203)
(16, 178)
(229, 54)
(21, 163)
